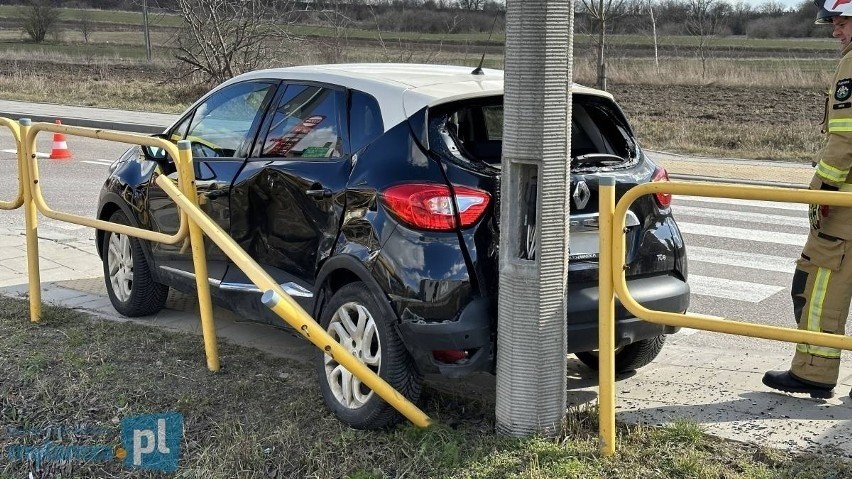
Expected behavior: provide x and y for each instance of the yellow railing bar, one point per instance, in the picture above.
(31, 225)
(34, 200)
(199, 257)
(606, 315)
(16, 135)
(28, 136)
(701, 321)
(290, 311)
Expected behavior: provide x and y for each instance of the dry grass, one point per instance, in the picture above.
(113, 82)
(262, 417)
(778, 73)
(797, 141)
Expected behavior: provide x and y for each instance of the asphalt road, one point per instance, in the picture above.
(70, 186)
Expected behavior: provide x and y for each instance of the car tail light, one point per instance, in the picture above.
(663, 199)
(450, 356)
(429, 206)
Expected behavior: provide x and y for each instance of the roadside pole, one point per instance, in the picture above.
(531, 348)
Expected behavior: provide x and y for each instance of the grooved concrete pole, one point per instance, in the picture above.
(531, 347)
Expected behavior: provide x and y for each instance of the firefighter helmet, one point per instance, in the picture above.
(832, 8)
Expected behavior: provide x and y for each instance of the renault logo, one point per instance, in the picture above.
(581, 195)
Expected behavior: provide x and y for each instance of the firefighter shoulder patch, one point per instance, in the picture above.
(843, 89)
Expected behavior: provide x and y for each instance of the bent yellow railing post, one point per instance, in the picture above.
(606, 319)
(16, 135)
(29, 173)
(702, 321)
(29, 141)
(186, 177)
(291, 312)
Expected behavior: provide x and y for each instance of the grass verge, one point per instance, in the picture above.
(261, 417)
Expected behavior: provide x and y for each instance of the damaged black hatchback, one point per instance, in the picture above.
(370, 193)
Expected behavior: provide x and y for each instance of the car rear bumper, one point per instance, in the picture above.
(658, 293)
(474, 330)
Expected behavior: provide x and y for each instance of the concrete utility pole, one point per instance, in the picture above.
(147, 30)
(531, 348)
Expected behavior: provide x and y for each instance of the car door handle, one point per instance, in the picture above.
(319, 193)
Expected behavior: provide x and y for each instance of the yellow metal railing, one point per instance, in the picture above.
(16, 136)
(195, 223)
(613, 281)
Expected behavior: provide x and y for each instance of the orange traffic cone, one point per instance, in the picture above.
(60, 149)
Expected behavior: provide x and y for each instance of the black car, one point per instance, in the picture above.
(370, 192)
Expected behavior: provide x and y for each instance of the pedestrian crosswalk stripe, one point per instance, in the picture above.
(731, 289)
(731, 201)
(727, 215)
(715, 231)
(741, 259)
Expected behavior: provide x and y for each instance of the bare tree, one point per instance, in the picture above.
(471, 4)
(654, 32)
(603, 13)
(85, 23)
(703, 21)
(40, 16)
(223, 38)
(333, 16)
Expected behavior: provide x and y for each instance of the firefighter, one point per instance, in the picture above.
(822, 282)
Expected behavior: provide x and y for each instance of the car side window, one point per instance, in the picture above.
(221, 124)
(179, 131)
(305, 124)
(365, 120)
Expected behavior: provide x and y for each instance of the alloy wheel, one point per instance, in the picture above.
(355, 329)
(120, 262)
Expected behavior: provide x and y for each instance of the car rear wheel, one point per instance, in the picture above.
(628, 358)
(355, 319)
(130, 286)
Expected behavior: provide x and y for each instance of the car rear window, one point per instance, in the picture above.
(473, 129)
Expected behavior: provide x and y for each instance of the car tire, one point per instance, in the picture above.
(130, 286)
(370, 334)
(628, 358)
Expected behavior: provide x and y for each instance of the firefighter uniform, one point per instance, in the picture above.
(822, 282)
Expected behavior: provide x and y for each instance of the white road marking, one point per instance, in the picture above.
(97, 162)
(742, 216)
(38, 154)
(715, 231)
(741, 259)
(731, 289)
(731, 201)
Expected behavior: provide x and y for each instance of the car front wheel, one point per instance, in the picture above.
(130, 286)
(355, 320)
(628, 358)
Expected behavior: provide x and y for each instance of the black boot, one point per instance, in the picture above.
(787, 382)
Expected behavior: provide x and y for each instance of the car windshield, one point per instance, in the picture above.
(473, 130)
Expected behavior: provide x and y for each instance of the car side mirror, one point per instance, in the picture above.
(155, 153)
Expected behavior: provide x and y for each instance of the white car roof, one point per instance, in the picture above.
(401, 89)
